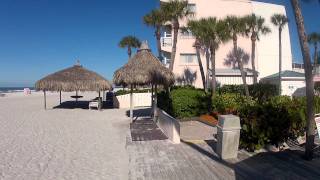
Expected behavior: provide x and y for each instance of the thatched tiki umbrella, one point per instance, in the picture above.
(143, 69)
(75, 78)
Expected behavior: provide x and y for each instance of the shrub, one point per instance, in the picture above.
(260, 92)
(229, 103)
(275, 121)
(123, 92)
(188, 102)
(184, 102)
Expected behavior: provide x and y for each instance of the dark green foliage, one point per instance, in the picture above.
(123, 92)
(184, 102)
(259, 92)
(271, 121)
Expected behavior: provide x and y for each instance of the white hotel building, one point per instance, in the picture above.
(267, 51)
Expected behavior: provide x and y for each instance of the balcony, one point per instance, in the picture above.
(166, 61)
(166, 42)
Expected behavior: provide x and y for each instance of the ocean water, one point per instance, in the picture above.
(13, 89)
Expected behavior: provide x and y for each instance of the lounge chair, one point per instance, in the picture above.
(95, 103)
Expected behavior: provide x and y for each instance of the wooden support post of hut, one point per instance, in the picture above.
(45, 99)
(60, 96)
(131, 103)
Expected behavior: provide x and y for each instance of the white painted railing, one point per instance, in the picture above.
(139, 100)
(169, 126)
(166, 41)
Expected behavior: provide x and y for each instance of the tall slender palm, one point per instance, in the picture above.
(175, 10)
(238, 59)
(255, 26)
(280, 21)
(214, 33)
(156, 19)
(309, 78)
(314, 39)
(129, 42)
(197, 30)
(236, 26)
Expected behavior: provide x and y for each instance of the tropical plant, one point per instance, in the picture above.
(156, 19)
(237, 59)
(214, 33)
(197, 30)
(235, 27)
(280, 21)
(309, 78)
(255, 26)
(314, 39)
(129, 42)
(174, 11)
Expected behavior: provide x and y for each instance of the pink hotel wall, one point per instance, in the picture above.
(221, 9)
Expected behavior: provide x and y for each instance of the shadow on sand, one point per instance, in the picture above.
(287, 164)
(79, 105)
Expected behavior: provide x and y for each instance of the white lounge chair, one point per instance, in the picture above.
(95, 103)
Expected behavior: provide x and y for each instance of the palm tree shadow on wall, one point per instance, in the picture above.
(187, 78)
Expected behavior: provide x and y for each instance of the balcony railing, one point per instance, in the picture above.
(166, 61)
(166, 41)
(316, 70)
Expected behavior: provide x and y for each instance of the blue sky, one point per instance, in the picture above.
(38, 37)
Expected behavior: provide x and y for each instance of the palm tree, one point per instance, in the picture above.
(235, 27)
(214, 33)
(129, 42)
(314, 39)
(238, 59)
(255, 26)
(156, 19)
(280, 21)
(309, 78)
(196, 28)
(175, 10)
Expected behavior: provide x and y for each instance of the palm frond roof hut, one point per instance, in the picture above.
(76, 78)
(143, 68)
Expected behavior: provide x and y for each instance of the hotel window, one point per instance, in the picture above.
(188, 58)
(192, 8)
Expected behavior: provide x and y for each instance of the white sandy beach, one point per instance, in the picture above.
(60, 143)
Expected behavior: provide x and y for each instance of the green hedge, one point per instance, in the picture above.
(184, 102)
(272, 121)
(260, 92)
(123, 92)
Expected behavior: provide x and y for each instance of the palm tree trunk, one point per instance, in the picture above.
(280, 60)
(207, 62)
(200, 65)
(243, 75)
(235, 48)
(158, 36)
(315, 54)
(174, 44)
(309, 79)
(213, 70)
(244, 80)
(129, 51)
(253, 58)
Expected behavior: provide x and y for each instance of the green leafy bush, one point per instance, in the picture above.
(260, 92)
(188, 102)
(123, 92)
(184, 102)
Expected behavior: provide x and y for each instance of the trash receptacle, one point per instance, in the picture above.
(228, 136)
